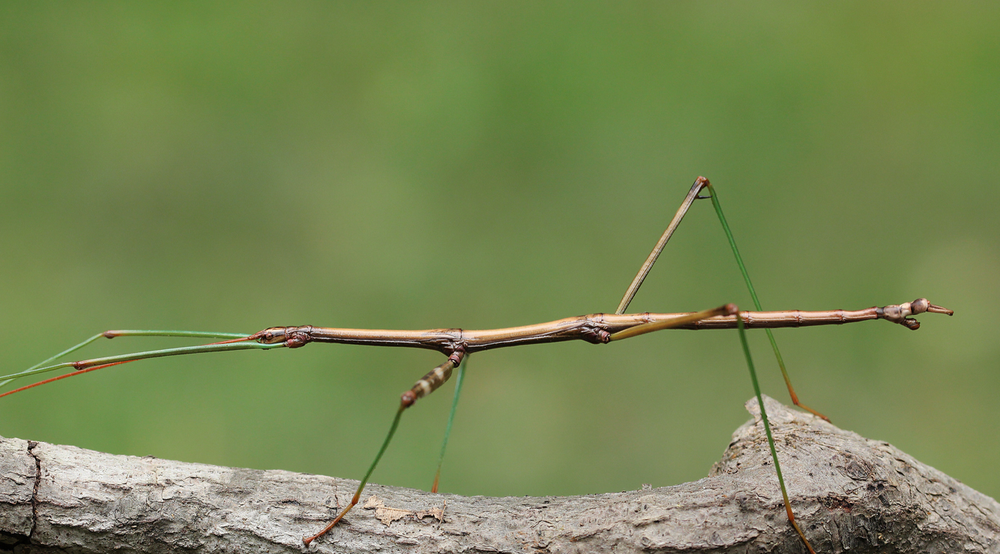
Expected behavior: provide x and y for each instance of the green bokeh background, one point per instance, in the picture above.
(232, 166)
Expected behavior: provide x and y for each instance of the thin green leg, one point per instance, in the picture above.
(48, 361)
(767, 430)
(364, 481)
(451, 419)
(234, 342)
(753, 371)
(753, 295)
(700, 184)
(426, 385)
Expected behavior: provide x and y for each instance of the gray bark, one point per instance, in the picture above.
(850, 494)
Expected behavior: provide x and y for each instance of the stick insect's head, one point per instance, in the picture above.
(292, 337)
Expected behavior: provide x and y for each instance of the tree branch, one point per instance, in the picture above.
(850, 494)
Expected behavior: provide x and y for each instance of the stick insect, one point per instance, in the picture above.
(458, 345)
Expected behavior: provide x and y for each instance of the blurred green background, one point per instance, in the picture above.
(229, 167)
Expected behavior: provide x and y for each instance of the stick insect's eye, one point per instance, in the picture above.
(272, 335)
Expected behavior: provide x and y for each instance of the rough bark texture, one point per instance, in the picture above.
(849, 493)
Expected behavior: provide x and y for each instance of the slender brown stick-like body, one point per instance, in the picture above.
(594, 328)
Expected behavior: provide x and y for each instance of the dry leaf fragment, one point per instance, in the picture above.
(387, 515)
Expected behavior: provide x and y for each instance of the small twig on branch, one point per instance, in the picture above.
(850, 493)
